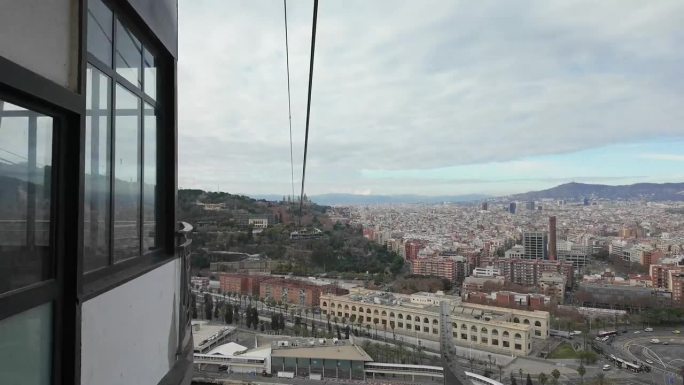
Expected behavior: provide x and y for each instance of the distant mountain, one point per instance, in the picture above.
(579, 191)
(357, 199)
(354, 199)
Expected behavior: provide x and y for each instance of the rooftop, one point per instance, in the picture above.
(344, 352)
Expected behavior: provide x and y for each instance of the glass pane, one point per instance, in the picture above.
(26, 347)
(128, 55)
(127, 186)
(25, 171)
(150, 74)
(96, 194)
(150, 179)
(100, 31)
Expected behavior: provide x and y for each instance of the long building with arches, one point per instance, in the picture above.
(495, 329)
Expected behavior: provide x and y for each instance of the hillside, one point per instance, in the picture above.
(579, 191)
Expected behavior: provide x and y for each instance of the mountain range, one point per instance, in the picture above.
(568, 191)
(579, 191)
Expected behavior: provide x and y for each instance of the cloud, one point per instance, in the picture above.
(666, 157)
(418, 86)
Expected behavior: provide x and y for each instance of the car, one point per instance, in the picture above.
(676, 332)
(648, 329)
(637, 332)
(649, 362)
(655, 341)
(666, 343)
(606, 367)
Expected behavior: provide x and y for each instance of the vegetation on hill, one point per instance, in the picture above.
(342, 250)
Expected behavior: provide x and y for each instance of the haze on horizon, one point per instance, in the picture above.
(431, 98)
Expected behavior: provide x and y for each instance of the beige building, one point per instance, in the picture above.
(491, 328)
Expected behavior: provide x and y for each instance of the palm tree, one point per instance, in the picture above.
(601, 379)
(375, 322)
(556, 375)
(543, 378)
(500, 367)
(582, 371)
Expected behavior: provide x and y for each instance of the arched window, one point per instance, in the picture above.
(384, 313)
(526, 321)
(408, 317)
(391, 314)
(516, 320)
(464, 327)
(353, 308)
(339, 306)
(537, 323)
(495, 332)
(473, 329)
(434, 321)
(483, 330)
(368, 311)
(426, 321)
(401, 316)
(325, 304)
(346, 307)
(376, 312)
(517, 336)
(505, 334)
(332, 304)
(360, 309)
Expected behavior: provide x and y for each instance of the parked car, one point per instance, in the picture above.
(606, 367)
(648, 329)
(676, 332)
(637, 332)
(655, 341)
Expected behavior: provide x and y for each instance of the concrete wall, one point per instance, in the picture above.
(130, 334)
(41, 35)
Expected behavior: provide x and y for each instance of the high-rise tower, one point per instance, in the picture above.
(552, 239)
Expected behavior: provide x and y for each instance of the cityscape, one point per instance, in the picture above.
(503, 288)
(342, 192)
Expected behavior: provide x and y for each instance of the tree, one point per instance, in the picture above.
(601, 379)
(228, 313)
(208, 306)
(500, 367)
(582, 371)
(528, 381)
(543, 378)
(513, 381)
(248, 317)
(556, 375)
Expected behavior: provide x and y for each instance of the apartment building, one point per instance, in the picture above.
(245, 284)
(528, 272)
(451, 268)
(295, 292)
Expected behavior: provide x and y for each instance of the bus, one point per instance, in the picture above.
(620, 363)
(608, 333)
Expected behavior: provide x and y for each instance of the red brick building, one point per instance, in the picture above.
(527, 272)
(412, 248)
(244, 284)
(296, 292)
(444, 267)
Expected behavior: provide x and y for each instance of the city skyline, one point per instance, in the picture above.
(468, 98)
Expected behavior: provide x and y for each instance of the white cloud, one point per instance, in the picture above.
(418, 85)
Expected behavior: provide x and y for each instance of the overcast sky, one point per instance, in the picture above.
(441, 97)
